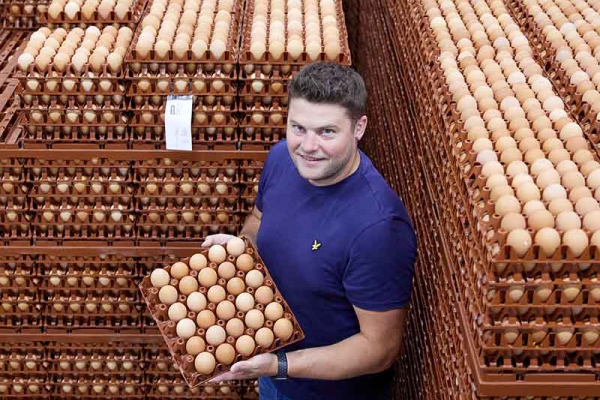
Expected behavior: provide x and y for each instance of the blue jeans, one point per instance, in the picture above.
(268, 391)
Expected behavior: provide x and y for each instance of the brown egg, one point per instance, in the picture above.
(177, 312)
(513, 221)
(188, 284)
(591, 221)
(245, 345)
(225, 310)
(264, 337)
(204, 363)
(215, 335)
(186, 328)
(235, 286)
(245, 262)
(198, 261)
(196, 301)
(206, 319)
(159, 278)
(179, 270)
(235, 327)
(195, 345)
(264, 295)
(226, 270)
(207, 277)
(225, 354)
(244, 302)
(236, 246)
(217, 253)
(168, 295)
(216, 294)
(540, 219)
(283, 329)
(520, 241)
(254, 319)
(576, 240)
(274, 311)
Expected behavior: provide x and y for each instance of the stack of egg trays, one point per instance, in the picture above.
(176, 344)
(14, 207)
(475, 266)
(90, 292)
(546, 57)
(263, 86)
(66, 193)
(75, 108)
(23, 14)
(186, 201)
(23, 372)
(151, 79)
(433, 304)
(131, 19)
(20, 299)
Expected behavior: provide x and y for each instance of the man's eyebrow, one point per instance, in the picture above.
(329, 126)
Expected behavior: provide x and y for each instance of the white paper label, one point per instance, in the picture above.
(178, 122)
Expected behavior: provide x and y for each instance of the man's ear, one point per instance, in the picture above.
(359, 127)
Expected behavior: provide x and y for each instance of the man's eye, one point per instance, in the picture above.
(297, 128)
(327, 132)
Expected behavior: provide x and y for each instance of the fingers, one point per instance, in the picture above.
(208, 241)
(230, 376)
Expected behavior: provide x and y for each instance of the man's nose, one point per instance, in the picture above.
(310, 143)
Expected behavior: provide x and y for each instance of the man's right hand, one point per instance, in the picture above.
(220, 238)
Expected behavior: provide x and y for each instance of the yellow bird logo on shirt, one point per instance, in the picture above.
(316, 245)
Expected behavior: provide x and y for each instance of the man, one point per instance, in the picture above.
(338, 243)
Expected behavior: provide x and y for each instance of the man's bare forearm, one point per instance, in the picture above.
(250, 228)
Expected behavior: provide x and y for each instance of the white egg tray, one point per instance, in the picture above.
(177, 345)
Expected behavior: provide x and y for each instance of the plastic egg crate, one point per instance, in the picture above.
(72, 223)
(249, 178)
(342, 56)
(81, 192)
(203, 366)
(167, 168)
(187, 223)
(217, 116)
(19, 18)
(224, 138)
(183, 81)
(75, 115)
(127, 14)
(251, 391)
(53, 168)
(96, 312)
(13, 192)
(174, 386)
(20, 387)
(76, 276)
(72, 358)
(94, 386)
(229, 56)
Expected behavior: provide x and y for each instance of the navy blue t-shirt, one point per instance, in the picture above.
(365, 258)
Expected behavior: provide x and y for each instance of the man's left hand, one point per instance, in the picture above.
(255, 367)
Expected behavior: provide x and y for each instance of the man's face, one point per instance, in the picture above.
(322, 140)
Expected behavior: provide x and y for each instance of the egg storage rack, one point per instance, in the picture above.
(21, 311)
(17, 273)
(432, 111)
(285, 61)
(176, 344)
(94, 386)
(229, 56)
(8, 106)
(130, 18)
(55, 193)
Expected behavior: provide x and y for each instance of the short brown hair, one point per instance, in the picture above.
(331, 83)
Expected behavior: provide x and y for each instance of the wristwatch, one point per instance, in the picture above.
(282, 366)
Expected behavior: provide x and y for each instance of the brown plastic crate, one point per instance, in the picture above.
(132, 17)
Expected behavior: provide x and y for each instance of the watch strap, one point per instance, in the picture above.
(282, 366)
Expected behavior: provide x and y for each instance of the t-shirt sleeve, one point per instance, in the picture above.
(379, 273)
(267, 173)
